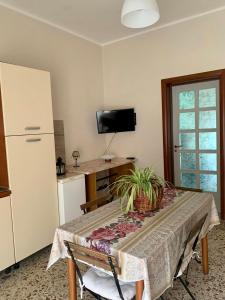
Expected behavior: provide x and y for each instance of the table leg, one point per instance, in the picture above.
(72, 279)
(205, 264)
(139, 289)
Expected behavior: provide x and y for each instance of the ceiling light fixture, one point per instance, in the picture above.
(139, 13)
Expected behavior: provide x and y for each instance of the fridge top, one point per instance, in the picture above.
(69, 177)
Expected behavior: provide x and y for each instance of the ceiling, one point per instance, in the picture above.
(99, 20)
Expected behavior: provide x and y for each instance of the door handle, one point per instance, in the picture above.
(32, 128)
(177, 147)
(33, 140)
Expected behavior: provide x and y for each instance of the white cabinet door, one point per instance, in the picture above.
(7, 257)
(32, 178)
(26, 100)
(71, 192)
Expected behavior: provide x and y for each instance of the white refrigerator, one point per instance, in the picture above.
(71, 193)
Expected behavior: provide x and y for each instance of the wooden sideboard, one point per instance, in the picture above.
(117, 167)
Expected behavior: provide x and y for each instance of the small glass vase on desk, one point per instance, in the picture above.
(76, 155)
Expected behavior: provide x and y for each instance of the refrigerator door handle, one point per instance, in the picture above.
(32, 128)
(33, 140)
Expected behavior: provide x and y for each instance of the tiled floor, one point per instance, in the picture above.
(32, 281)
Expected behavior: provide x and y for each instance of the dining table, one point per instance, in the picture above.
(147, 245)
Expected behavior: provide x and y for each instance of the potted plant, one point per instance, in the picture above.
(142, 189)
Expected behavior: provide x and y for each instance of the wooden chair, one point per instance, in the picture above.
(96, 282)
(187, 254)
(188, 189)
(94, 204)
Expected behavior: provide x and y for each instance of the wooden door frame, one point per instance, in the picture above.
(166, 85)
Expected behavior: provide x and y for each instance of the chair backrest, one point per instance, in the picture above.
(188, 189)
(96, 259)
(94, 204)
(194, 234)
(93, 257)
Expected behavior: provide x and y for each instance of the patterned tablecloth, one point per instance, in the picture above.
(147, 246)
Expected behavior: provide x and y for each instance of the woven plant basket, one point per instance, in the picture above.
(142, 203)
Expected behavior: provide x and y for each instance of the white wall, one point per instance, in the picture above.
(133, 70)
(76, 71)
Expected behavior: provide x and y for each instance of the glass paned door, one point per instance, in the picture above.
(196, 136)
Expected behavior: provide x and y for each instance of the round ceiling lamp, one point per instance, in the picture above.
(139, 13)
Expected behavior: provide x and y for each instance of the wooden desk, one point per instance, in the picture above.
(117, 167)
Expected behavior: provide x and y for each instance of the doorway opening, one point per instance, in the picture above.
(193, 109)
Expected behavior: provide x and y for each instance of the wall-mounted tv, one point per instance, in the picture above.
(118, 120)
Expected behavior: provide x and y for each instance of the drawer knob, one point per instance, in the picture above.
(33, 140)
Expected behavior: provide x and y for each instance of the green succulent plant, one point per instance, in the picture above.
(143, 182)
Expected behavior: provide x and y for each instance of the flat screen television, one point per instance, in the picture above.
(118, 120)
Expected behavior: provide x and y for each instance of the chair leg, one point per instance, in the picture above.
(186, 276)
(96, 296)
(186, 288)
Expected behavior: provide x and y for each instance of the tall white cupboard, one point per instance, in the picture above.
(28, 124)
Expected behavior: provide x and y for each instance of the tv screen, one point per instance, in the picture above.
(119, 120)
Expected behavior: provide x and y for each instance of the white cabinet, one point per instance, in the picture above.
(71, 193)
(7, 257)
(28, 123)
(26, 100)
(32, 177)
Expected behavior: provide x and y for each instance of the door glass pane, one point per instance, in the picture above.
(207, 119)
(208, 182)
(207, 140)
(207, 97)
(187, 160)
(208, 161)
(187, 120)
(187, 140)
(188, 180)
(187, 100)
